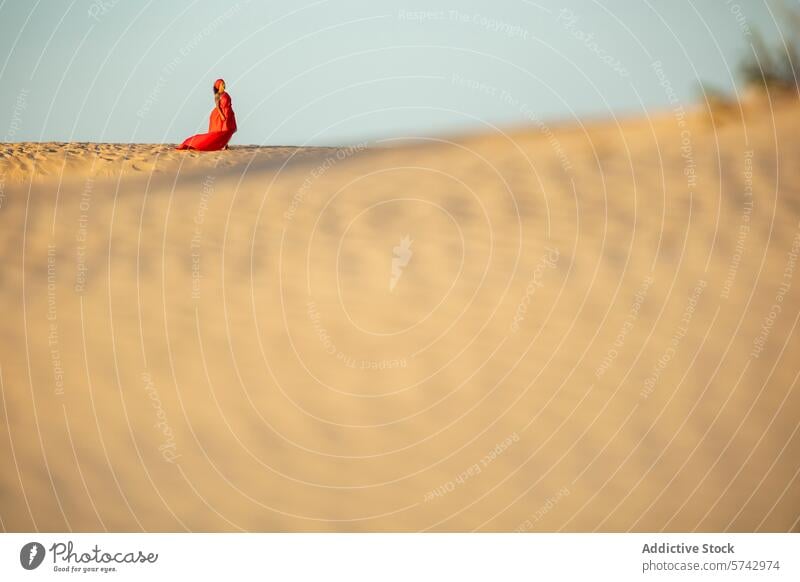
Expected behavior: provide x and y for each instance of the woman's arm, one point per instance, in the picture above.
(224, 105)
(218, 98)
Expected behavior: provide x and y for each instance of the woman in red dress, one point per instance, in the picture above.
(221, 124)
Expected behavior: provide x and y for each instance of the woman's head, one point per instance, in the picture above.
(219, 86)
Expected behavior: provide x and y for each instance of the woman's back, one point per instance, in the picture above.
(219, 123)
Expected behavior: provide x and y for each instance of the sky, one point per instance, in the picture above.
(339, 72)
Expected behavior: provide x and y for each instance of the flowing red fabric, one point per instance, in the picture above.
(221, 127)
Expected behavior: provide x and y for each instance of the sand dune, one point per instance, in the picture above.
(585, 327)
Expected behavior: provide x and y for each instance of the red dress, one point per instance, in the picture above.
(221, 127)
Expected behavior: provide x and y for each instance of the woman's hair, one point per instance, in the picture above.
(217, 85)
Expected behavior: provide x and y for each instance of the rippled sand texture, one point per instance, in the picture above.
(578, 328)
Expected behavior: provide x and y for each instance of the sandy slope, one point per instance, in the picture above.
(576, 334)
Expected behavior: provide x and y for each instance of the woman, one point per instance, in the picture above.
(221, 125)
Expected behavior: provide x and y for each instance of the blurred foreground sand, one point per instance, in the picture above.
(561, 328)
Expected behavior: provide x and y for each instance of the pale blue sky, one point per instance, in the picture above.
(339, 72)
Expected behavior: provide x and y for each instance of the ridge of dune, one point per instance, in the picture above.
(43, 161)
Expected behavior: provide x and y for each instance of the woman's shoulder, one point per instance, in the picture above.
(225, 97)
